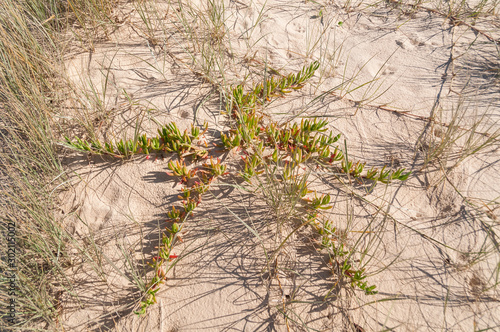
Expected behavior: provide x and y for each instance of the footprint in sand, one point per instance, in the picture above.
(300, 29)
(400, 44)
(390, 70)
(273, 41)
(297, 31)
(415, 39)
(405, 44)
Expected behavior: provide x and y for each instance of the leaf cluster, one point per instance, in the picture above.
(169, 139)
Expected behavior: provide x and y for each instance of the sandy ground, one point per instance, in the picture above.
(433, 252)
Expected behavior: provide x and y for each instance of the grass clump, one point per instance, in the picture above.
(30, 167)
(32, 89)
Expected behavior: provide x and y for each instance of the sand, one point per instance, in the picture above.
(433, 252)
